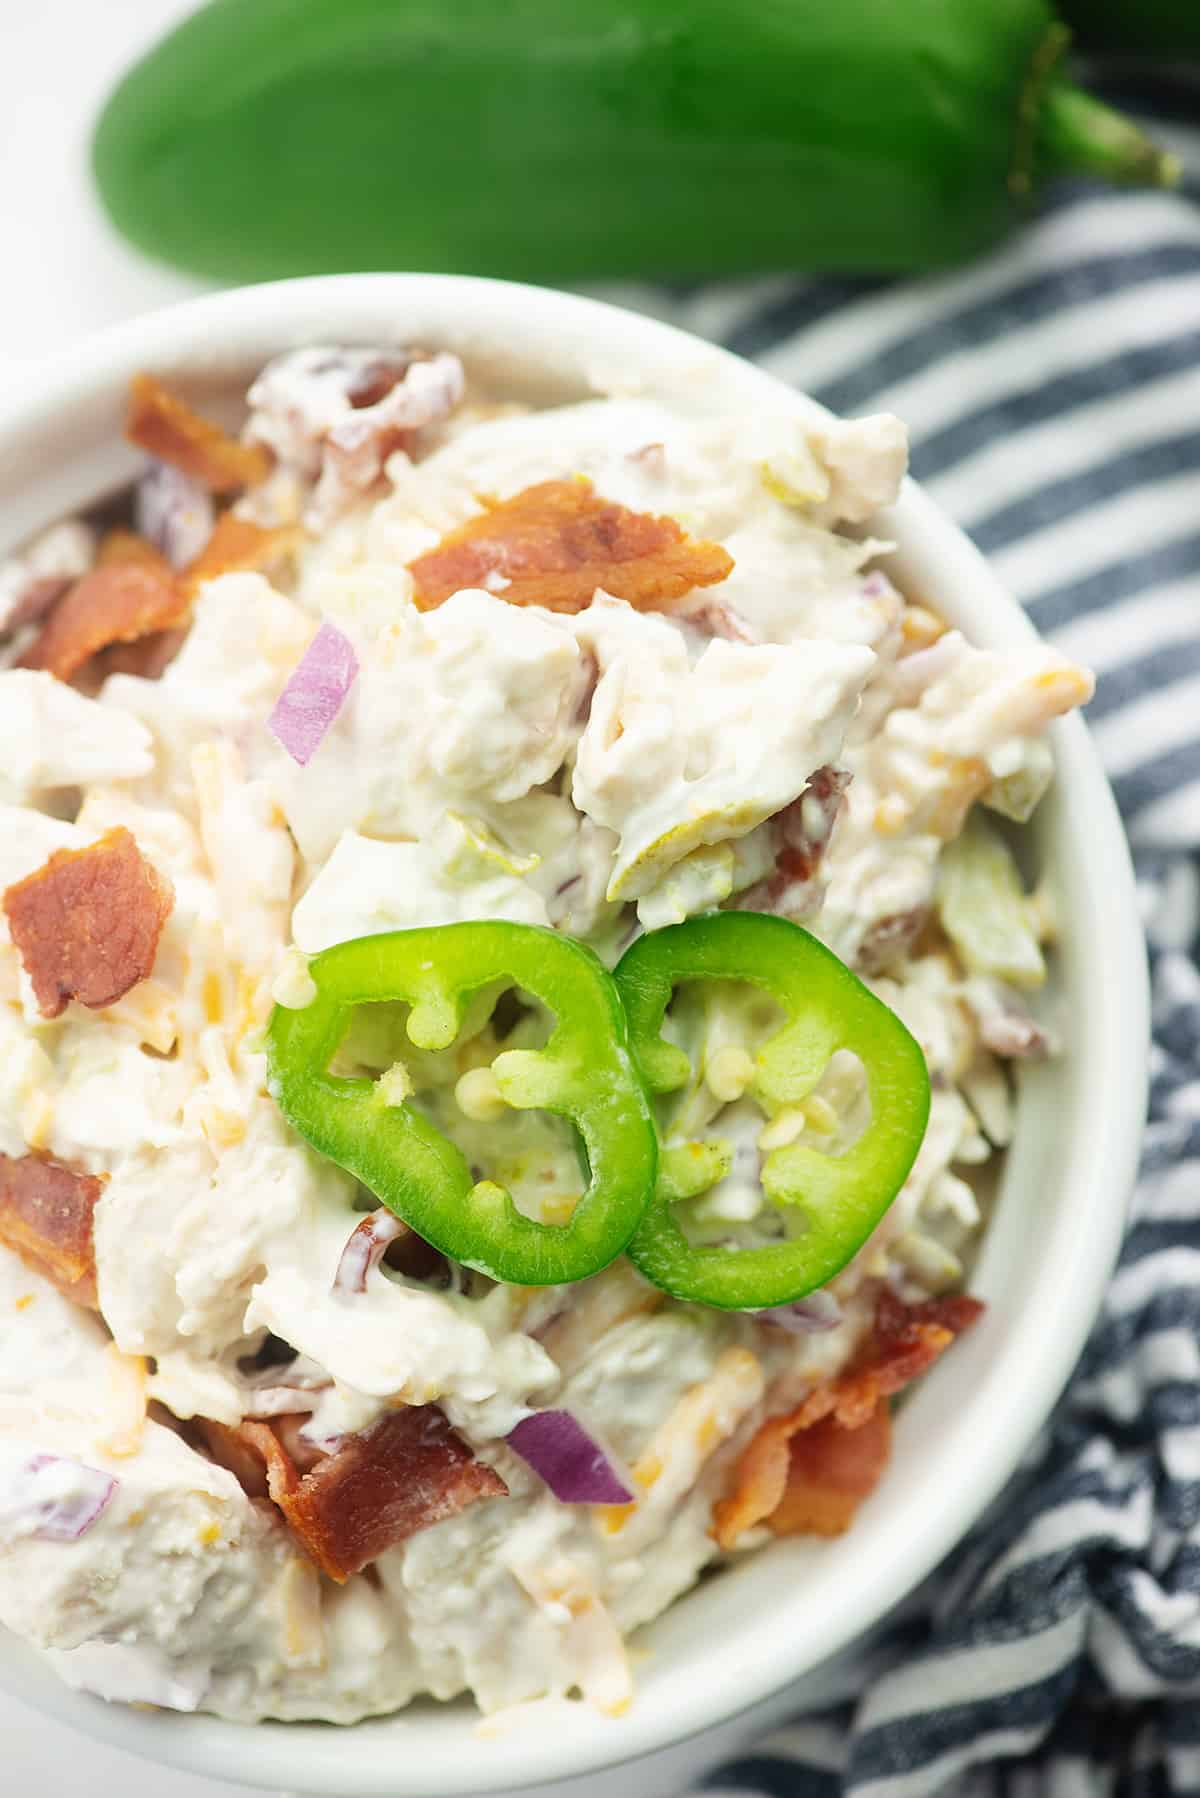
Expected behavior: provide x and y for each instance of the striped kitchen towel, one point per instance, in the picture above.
(1053, 394)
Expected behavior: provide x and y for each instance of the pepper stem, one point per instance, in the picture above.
(1076, 134)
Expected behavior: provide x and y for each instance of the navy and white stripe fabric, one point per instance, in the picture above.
(1053, 394)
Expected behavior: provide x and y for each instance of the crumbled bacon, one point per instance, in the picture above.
(374, 1490)
(164, 424)
(120, 547)
(289, 1433)
(904, 1341)
(117, 603)
(557, 542)
(238, 546)
(801, 833)
(760, 1478)
(46, 1213)
(805, 827)
(146, 655)
(86, 923)
(237, 1450)
(831, 1470)
(148, 658)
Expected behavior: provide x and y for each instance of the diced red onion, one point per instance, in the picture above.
(59, 1519)
(174, 512)
(369, 1241)
(805, 1317)
(314, 693)
(561, 1452)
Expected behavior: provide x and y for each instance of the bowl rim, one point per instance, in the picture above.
(216, 332)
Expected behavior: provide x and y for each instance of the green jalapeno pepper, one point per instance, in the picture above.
(584, 1073)
(576, 139)
(836, 1198)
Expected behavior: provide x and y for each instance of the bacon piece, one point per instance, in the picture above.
(805, 826)
(264, 1458)
(831, 1470)
(119, 548)
(147, 655)
(557, 542)
(240, 1451)
(46, 1213)
(800, 834)
(133, 565)
(303, 1454)
(114, 604)
(148, 658)
(164, 424)
(956, 1313)
(384, 1485)
(904, 1341)
(760, 1478)
(86, 923)
(376, 1489)
(238, 546)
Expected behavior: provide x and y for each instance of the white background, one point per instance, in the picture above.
(63, 273)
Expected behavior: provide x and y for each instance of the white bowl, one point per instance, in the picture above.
(741, 1639)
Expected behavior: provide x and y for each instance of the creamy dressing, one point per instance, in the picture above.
(601, 773)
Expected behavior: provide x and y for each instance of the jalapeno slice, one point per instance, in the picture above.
(584, 1073)
(832, 1201)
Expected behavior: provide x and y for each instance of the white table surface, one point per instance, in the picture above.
(62, 274)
